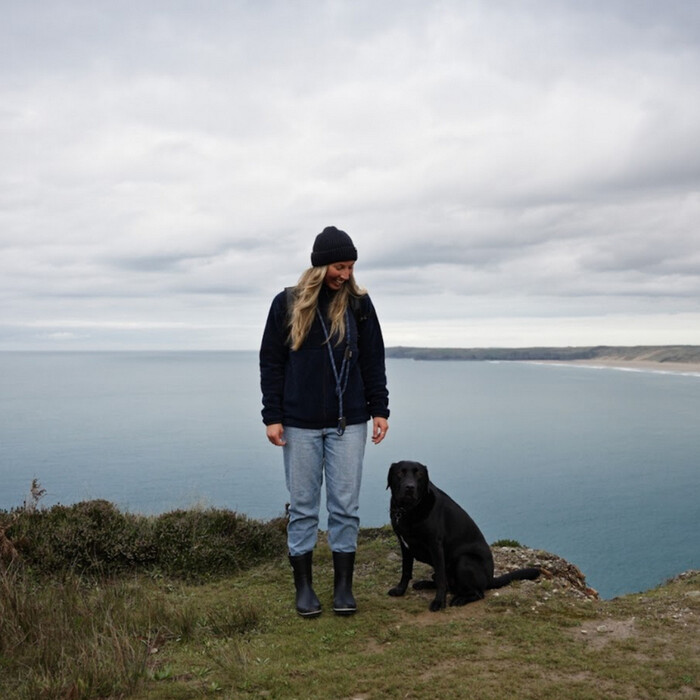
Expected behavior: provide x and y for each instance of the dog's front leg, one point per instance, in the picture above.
(440, 600)
(406, 570)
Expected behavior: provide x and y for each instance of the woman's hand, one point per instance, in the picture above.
(275, 434)
(379, 428)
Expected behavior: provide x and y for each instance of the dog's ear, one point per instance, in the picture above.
(388, 475)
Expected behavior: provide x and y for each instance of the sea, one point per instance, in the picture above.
(597, 465)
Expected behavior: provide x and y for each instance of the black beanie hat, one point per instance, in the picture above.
(332, 245)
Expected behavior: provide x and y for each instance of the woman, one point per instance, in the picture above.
(323, 378)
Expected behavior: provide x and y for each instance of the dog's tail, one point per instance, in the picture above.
(529, 574)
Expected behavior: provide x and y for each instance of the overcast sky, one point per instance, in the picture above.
(513, 173)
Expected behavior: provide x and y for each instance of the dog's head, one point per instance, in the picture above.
(408, 482)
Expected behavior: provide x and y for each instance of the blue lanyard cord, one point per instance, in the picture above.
(341, 378)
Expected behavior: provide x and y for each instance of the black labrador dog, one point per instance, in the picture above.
(432, 528)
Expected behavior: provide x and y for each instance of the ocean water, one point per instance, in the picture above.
(599, 466)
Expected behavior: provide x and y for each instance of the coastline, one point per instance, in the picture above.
(688, 368)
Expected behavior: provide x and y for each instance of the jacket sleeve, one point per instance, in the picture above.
(372, 364)
(274, 352)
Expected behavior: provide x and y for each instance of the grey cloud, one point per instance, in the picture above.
(163, 162)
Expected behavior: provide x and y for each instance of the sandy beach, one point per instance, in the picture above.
(632, 365)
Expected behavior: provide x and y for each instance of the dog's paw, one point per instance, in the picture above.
(397, 591)
(426, 585)
(437, 604)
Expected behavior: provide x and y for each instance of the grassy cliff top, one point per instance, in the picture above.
(147, 635)
(547, 639)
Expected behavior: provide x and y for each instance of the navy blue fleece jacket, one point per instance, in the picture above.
(298, 387)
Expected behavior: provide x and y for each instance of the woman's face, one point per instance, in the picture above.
(338, 274)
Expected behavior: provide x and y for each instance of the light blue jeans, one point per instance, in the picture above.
(309, 454)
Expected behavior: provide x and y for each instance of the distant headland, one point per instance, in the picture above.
(669, 355)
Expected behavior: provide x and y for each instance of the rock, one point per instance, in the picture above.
(567, 578)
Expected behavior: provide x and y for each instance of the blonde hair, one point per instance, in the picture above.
(306, 300)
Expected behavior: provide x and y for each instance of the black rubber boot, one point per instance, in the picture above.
(343, 600)
(308, 604)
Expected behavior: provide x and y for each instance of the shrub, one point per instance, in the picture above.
(88, 536)
(95, 537)
(507, 543)
(213, 542)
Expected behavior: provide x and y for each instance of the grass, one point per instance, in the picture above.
(149, 635)
(525, 643)
(87, 638)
